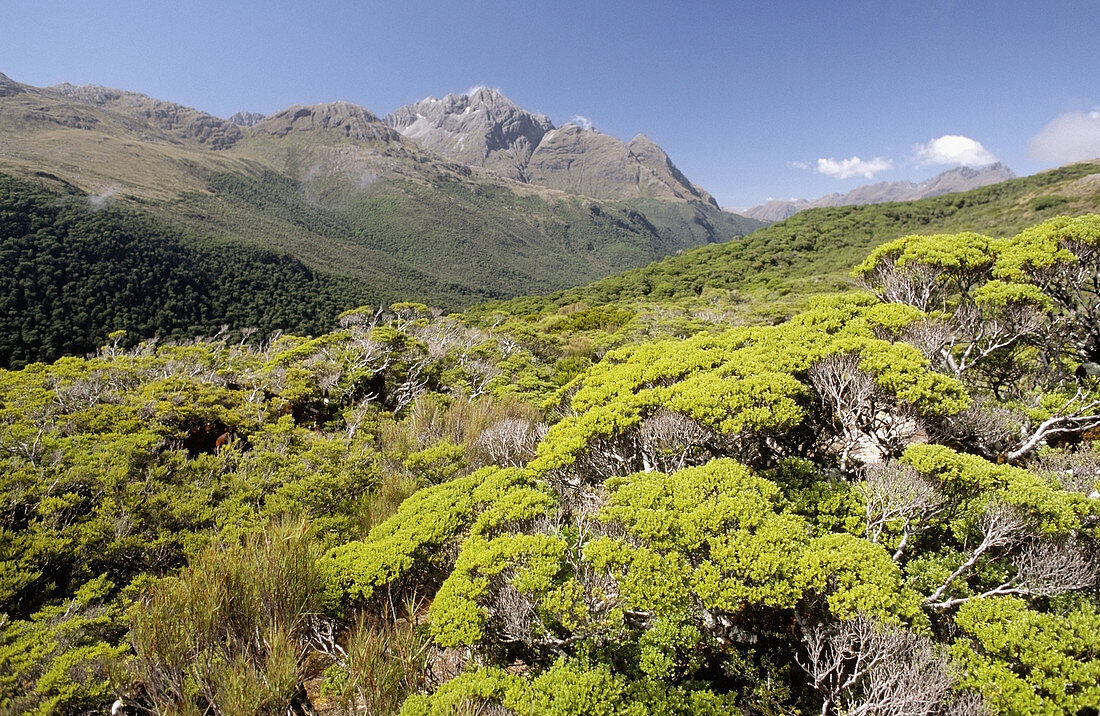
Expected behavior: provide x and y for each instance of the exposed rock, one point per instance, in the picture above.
(776, 209)
(664, 173)
(584, 161)
(354, 121)
(246, 119)
(483, 129)
(8, 86)
(487, 129)
(174, 122)
(964, 179)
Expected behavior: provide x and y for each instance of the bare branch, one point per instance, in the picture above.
(1001, 526)
(864, 667)
(670, 440)
(1078, 414)
(895, 493)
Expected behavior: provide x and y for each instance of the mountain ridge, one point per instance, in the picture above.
(962, 178)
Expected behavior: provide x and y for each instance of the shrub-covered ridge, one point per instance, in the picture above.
(887, 503)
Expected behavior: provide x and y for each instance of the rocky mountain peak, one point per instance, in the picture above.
(493, 100)
(246, 119)
(484, 128)
(962, 178)
(644, 143)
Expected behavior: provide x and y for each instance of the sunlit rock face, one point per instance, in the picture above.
(486, 129)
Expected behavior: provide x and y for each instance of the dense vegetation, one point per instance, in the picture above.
(885, 504)
(71, 273)
(452, 241)
(260, 252)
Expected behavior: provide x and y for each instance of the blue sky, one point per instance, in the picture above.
(751, 100)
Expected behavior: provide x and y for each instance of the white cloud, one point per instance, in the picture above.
(850, 167)
(581, 121)
(1067, 138)
(952, 149)
(99, 200)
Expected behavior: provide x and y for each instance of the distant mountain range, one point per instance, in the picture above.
(338, 154)
(953, 180)
(473, 200)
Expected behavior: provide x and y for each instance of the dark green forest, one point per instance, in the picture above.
(650, 495)
(70, 274)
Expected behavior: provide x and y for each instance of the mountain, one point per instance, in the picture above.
(245, 119)
(487, 129)
(774, 271)
(350, 210)
(173, 122)
(953, 180)
(484, 129)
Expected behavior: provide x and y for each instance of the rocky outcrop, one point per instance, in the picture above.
(965, 179)
(353, 121)
(484, 129)
(246, 119)
(584, 161)
(9, 87)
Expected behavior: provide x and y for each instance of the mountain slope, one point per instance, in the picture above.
(774, 270)
(953, 180)
(70, 273)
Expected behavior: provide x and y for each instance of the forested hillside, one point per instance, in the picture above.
(888, 503)
(71, 273)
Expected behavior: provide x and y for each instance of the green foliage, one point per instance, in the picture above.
(959, 255)
(71, 274)
(535, 563)
(449, 242)
(382, 665)
(714, 512)
(974, 482)
(740, 385)
(813, 251)
(566, 689)
(724, 526)
(437, 463)
(1026, 661)
(60, 659)
(1047, 202)
(407, 546)
(1045, 245)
